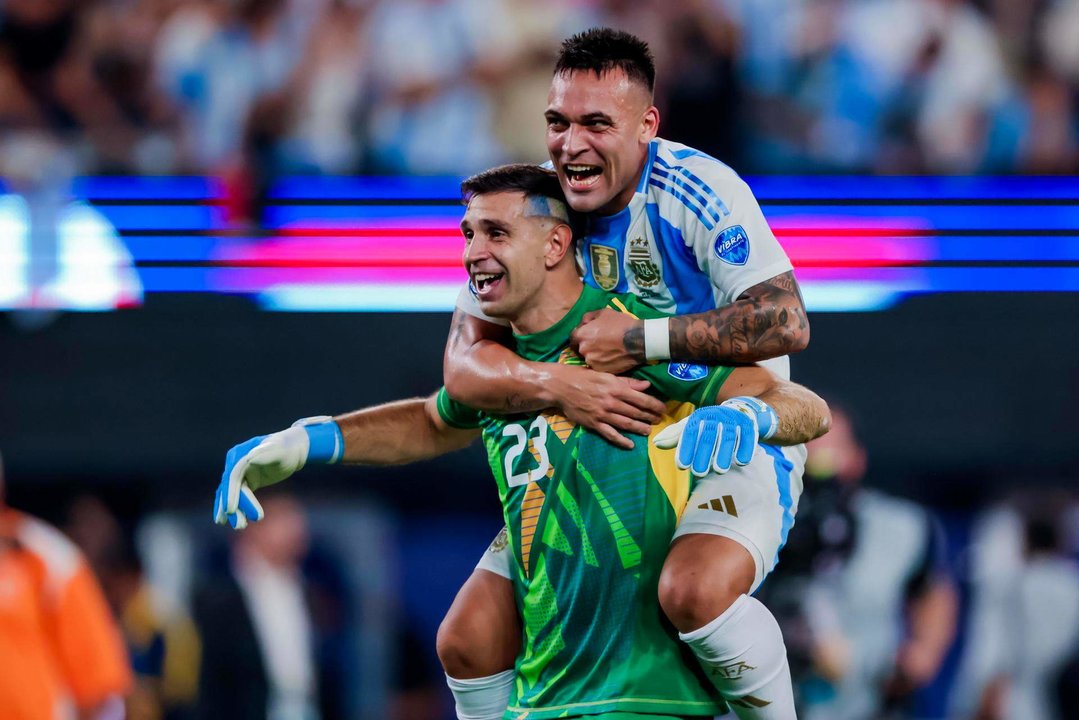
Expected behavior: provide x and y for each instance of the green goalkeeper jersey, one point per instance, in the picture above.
(589, 526)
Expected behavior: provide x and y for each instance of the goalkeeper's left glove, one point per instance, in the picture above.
(269, 459)
(713, 437)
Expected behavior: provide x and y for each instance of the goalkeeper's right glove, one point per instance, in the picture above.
(269, 459)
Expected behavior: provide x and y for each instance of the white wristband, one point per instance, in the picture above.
(657, 339)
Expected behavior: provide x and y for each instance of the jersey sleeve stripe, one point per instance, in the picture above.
(700, 184)
(707, 222)
(679, 182)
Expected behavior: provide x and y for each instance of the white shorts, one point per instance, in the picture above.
(754, 505)
(496, 558)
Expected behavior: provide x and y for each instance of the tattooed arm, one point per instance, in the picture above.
(482, 372)
(766, 321)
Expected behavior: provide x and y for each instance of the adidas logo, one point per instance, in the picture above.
(723, 504)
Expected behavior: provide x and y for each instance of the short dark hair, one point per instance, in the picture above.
(532, 180)
(604, 49)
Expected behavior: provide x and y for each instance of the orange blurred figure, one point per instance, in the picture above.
(61, 653)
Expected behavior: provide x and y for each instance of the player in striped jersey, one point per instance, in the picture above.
(683, 232)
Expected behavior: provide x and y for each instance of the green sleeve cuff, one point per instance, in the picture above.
(455, 414)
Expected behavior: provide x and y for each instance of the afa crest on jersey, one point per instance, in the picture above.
(606, 266)
(645, 271)
(732, 245)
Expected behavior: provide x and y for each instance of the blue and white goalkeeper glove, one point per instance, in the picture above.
(714, 437)
(269, 459)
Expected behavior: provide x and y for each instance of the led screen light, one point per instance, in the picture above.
(371, 244)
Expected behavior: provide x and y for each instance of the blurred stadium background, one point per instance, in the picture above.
(221, 215)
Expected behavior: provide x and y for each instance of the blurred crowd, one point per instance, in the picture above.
(253, 88)
(891, 610)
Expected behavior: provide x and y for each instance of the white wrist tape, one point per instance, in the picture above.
(657, 339)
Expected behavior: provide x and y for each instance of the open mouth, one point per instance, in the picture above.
(582, 177)
(487, 283)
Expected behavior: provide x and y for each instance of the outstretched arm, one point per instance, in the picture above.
(481, 371)
(391, 434)
(766, 321)
(398, 433)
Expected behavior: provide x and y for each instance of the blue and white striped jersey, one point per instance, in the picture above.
(692, 239)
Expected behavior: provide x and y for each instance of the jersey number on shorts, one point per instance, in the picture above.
(538, 431)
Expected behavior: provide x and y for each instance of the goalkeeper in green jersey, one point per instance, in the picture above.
(588, 523)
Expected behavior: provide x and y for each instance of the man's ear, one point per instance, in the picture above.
(649, 125)
(559, 242)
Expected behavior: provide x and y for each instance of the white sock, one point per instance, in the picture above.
(483, 698)
(743, 653)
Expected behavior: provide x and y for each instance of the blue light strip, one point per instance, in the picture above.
(285, 215)
(162, 217)
(366, 298)
(144, 187)
(393, 188)
(855, 187)
(860, 243)
(994, 218)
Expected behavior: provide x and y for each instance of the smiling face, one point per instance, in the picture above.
(598, 130)
(512, 242)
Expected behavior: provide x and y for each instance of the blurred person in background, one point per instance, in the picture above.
(889, 86)
(118, 40)
(61, 652)
(324, 113)
(416, 687)
(1051, 140)
(50, 77)
(1022, 626)
(161, 642)
(1048, 616)
(163, 645)
(83, 71)
(226, 65)
(702, 98)
(1067, 682)
(259, 629)
(431, 64)
(881, 620)
(527, 43)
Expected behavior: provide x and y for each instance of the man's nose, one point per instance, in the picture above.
(574, 142)
(475, 249)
